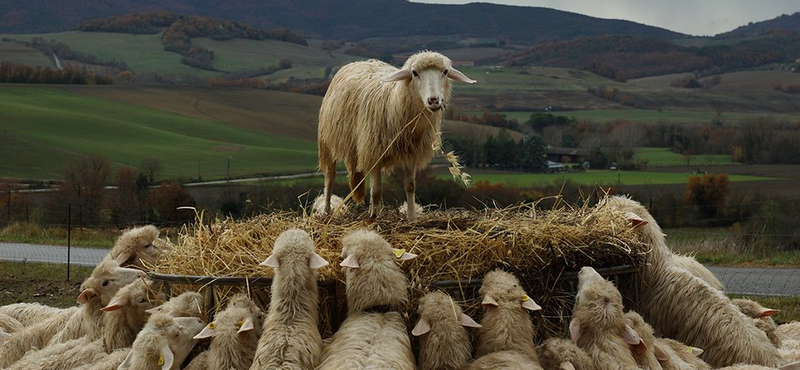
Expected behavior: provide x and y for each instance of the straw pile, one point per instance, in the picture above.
(459, 245)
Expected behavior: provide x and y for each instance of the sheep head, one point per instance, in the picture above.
(436, 307)
(106, 279)
(429, 74)
(502, 289)
(187, 304)
(753, 309)
(598, 306)
(141, 295)
(164, 342)
(138, 247)
(294, 246)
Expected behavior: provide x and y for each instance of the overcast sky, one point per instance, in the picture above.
(694, 17)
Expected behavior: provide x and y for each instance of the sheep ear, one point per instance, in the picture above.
(465, 320)
(350, 261)
(247, 325)
(123, 257)
(86, 295)
(402, 255)
(566, 365)
(489, 301)
(575, 330)
(456, 75)
(694, 351)
(115, 304)
(631, 337)
(635, 220)
(3, 335)
(153, 310)
(661, 354)
(317, 261)
(271, 261)
(401, 74)
(208, 331)
(768, 312)
(423, 326)
(791, 366)
(166, 357)
(529, 304)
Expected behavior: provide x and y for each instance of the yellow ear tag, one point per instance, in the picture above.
(240, 322)
(398, 252)
(525, 297)
(160, 360)
(212, 325)
(689, 349)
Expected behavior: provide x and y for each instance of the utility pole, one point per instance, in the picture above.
(229, 169)
(69, 236)
(8, 205)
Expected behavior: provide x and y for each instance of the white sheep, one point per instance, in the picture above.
(674, 355)
(29, 313)
(374, 334)
(96, 291)
(234, 332)
(681, 306)
(561, 354)
(648, 358)
(337, 205)
(375, 117)
(598, 324)
(762, 318)
(506, 324)
(9, 325)
(138, 247)
(291, 336)
(164, 343)
(697, 269)
(443, 341)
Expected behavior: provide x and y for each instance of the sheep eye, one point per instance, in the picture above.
(415, 73)
(105, 282)
(148, 246)
(444, 73)
(142, 300)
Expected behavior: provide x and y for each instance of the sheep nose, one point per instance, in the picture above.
(433, 101)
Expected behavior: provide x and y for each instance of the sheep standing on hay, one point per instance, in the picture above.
(374, 334)
(681, 306)
(138, 247)
(96, 292)
(163, 344)
(561, 354)
(291, 336)
(598, 324)
(762, 318)
(443, 341)
(375, 117)
(234, 332)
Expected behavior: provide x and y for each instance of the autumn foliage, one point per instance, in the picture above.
(708, 193)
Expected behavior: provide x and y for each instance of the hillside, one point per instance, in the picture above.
(784, 22)
(343, 19)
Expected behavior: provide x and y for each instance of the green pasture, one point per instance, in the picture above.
(41, 118)
(507, 80)
(142, 53)
(19, 54)
(595, 177)
(658, 157)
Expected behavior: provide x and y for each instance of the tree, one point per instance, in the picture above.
(534, 154)
(167, 198)
(708, 193)
(84, 187)
(125, 203)
(151, 166)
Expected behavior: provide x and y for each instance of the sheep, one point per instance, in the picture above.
(139, 247)
(674, 355)
(29, 313)
(291, 336)
(418, 209)
(598, 325)
(234, 332)
(681, 306)
(443, 343)
(337, 205)
(506, 324)
(164, 343)
(504, 360)
(375, 117)
(561, 354)
(648, 358)
(74, 322)
(792, 366)
(695, 268)
(374, 334)
(9, 325)
(761, 318)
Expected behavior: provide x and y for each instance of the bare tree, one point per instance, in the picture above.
(151, 166)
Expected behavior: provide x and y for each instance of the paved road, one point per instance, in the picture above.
(753, 281)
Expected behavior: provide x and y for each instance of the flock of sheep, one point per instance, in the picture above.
(683, 319)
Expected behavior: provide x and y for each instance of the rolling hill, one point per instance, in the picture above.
(784, 22)
(342, 19)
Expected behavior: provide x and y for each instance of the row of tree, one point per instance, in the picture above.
(17, 73)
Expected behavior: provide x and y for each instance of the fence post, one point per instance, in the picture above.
(69, 236)
(8, 205)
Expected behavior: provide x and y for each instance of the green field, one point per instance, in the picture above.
(34, 120)
(607, 178)
(18, 54)
(658, 157)
(642, 115)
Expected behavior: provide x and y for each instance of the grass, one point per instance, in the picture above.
(142, 53)
(19, 54)
(721, 246)
(127, 134)
(642, 115)
(51, 235)
(658, 157)
(595, 177)
(41, 283)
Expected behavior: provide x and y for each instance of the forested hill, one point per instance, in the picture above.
(783, 23)
(340, 19)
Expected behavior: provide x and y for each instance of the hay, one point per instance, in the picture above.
(453, 245)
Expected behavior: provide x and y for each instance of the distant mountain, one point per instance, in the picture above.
(782, 23)
(340, 19)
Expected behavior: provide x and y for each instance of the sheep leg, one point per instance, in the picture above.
(410, 186)
(375, 192)
(328, 166)
(356, 179)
